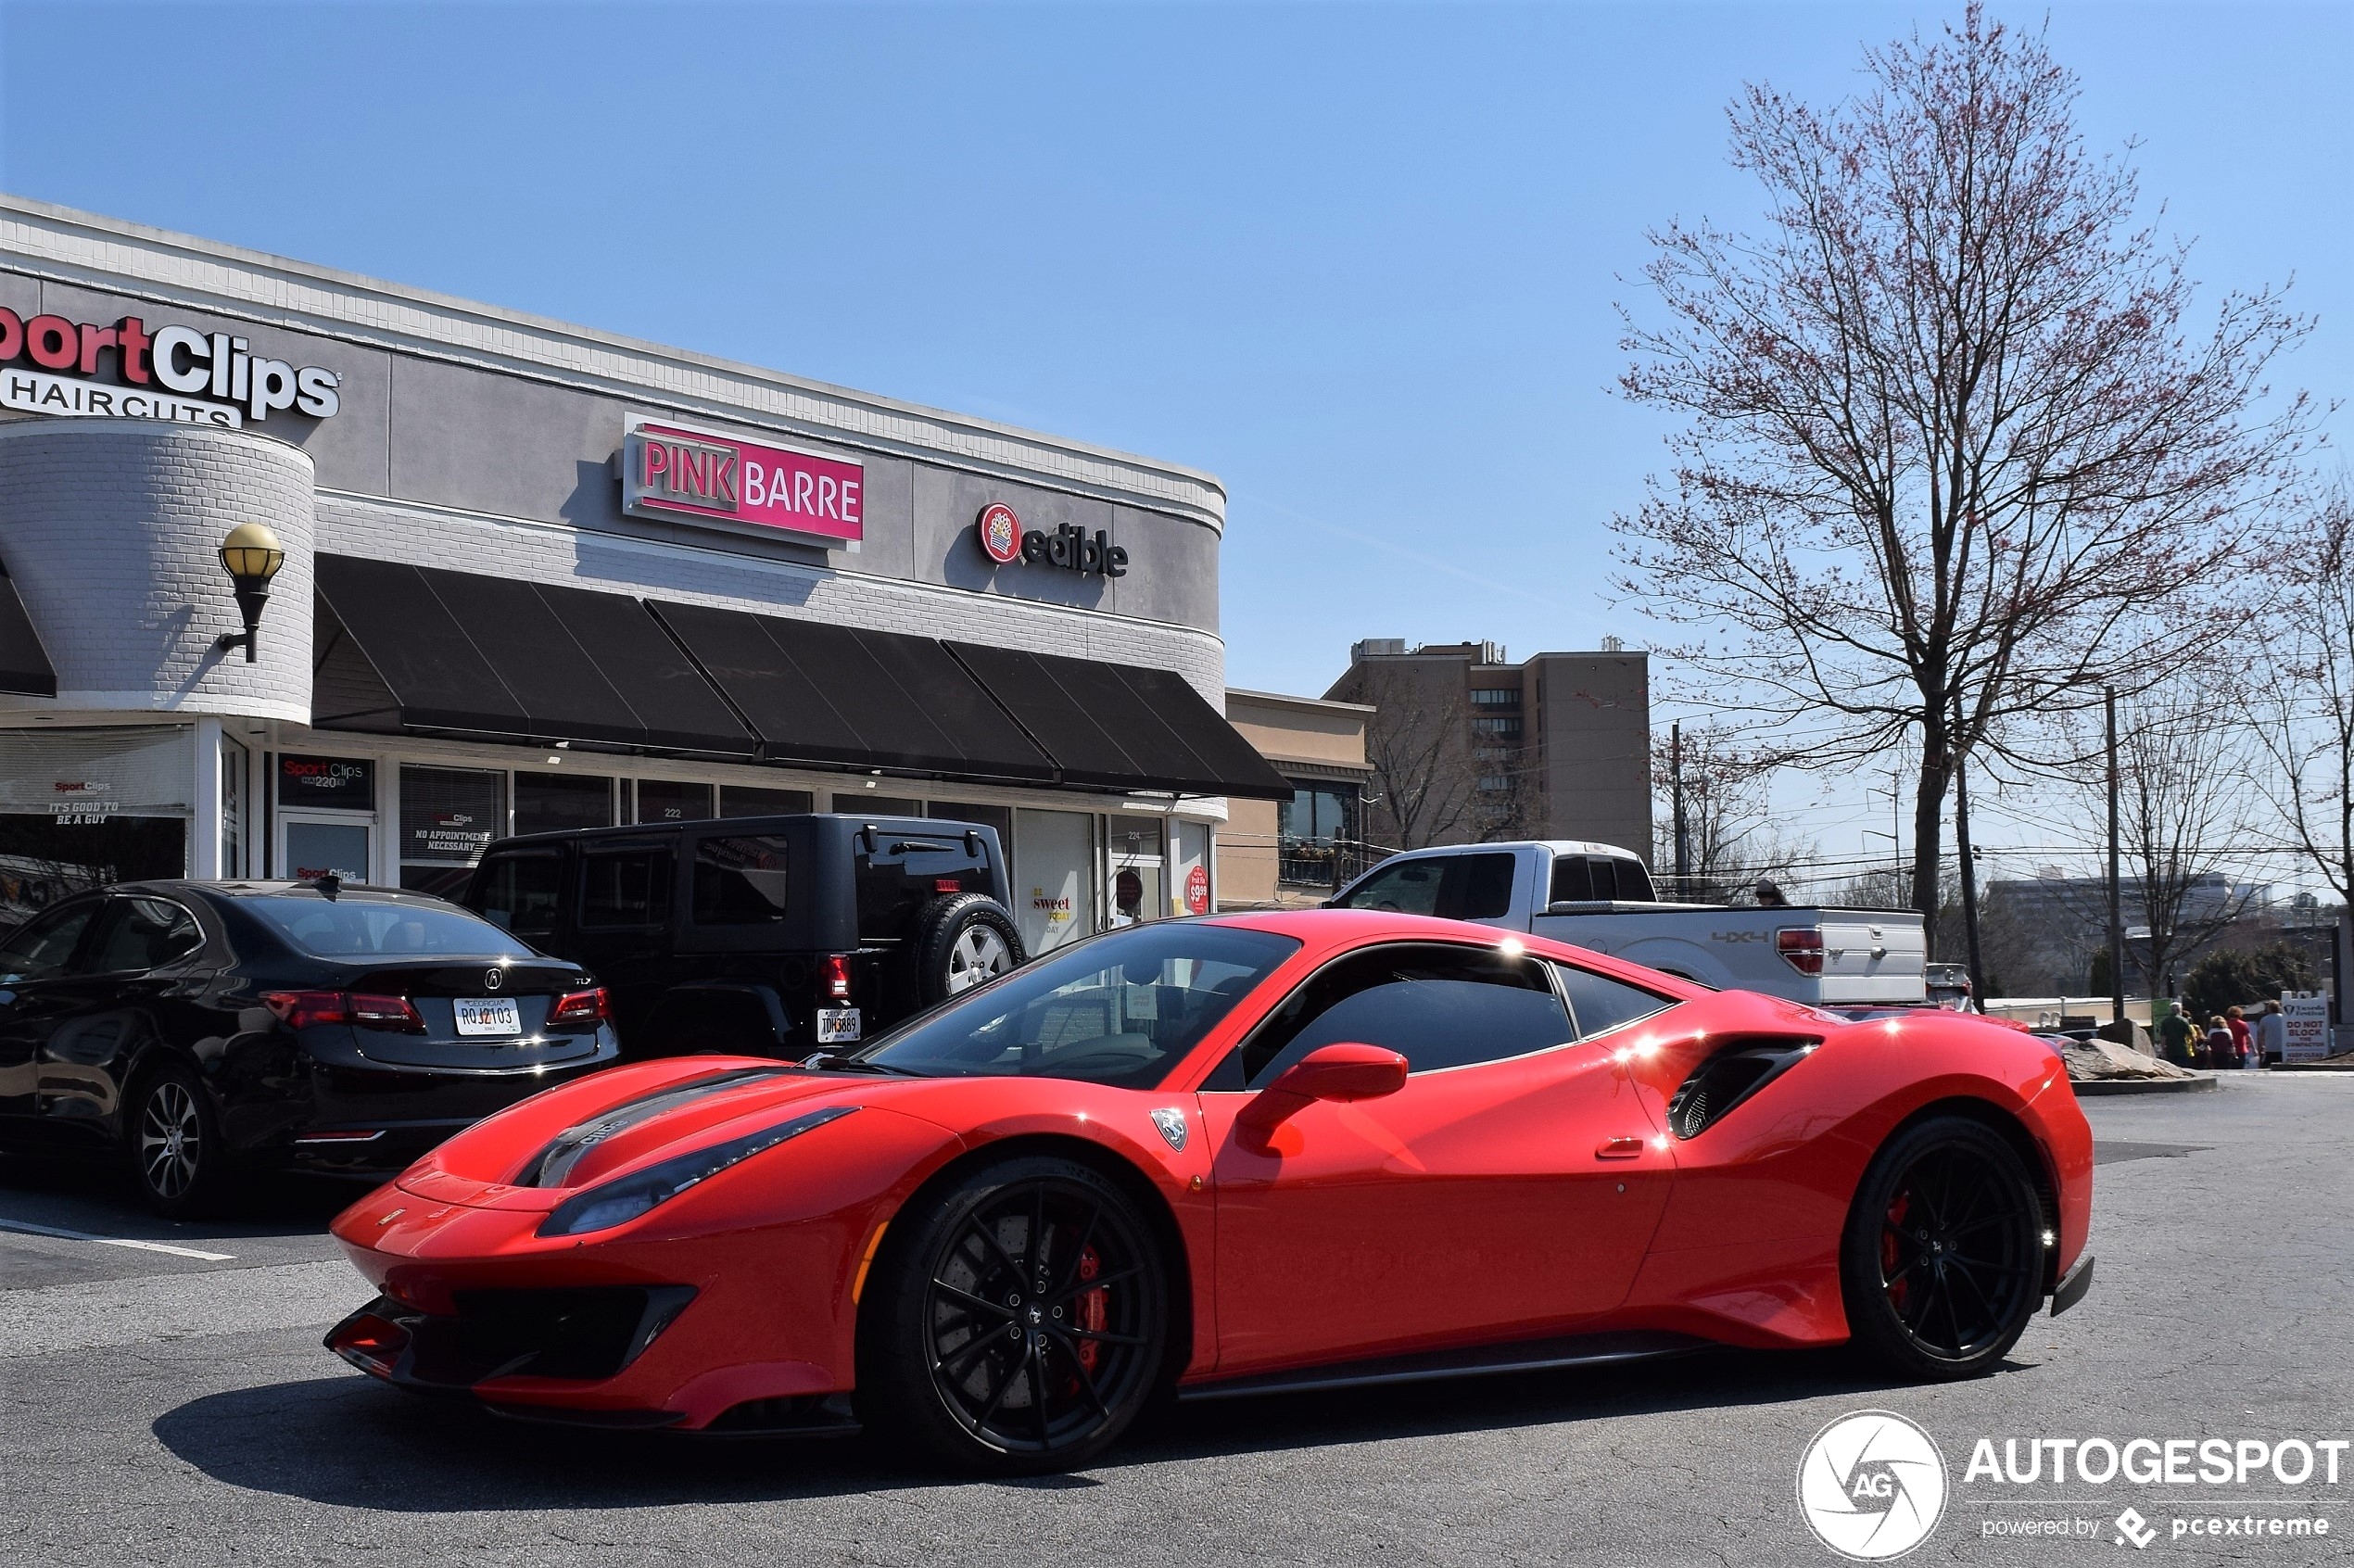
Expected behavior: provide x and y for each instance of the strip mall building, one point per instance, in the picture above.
(539, 577)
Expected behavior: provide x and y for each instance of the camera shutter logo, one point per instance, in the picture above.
(1872, 1485)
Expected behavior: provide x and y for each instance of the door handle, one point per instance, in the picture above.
(1618, 1148)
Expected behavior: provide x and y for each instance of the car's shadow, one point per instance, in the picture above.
(349, 1442)
(88, 1192)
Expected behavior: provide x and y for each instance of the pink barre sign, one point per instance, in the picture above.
(674, 473)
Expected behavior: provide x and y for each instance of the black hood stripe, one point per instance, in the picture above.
(554, 1163)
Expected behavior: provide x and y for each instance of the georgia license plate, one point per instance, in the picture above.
(495, 1015)
(837, 1024)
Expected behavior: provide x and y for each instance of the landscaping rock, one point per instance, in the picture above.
(2102, 1061)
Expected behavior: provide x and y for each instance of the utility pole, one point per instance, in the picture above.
(1970, 872)
(1683, 840)
(2116, 886)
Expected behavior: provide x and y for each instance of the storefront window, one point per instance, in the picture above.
(1054, 890)
(448, 815)
(999, 817)
(547, 803)
(751, 800)
(232, 809)
(860, 803)
(80, 808)
(659, 800)
(1136, 872)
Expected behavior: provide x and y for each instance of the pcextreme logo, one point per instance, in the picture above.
(1872, 1485)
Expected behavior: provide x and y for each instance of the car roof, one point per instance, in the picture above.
(742, 825)
(1558, 846)
(366, 893)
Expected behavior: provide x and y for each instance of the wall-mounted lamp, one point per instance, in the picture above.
(251, 557)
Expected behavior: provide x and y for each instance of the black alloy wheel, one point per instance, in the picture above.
(1021, 1326)
(1943, 1258)
(174, 1140)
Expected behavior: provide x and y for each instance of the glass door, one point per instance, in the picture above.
(314, 844)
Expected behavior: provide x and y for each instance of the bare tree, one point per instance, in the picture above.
(2307, 726)
(1728, 827)
(2183, 755)
(1947, 428)
(1424, 781)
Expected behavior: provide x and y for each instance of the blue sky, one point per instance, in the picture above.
(1359, 261)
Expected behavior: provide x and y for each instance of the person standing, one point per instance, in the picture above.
(2235, 1019)
(2216, 1050)
(2173, 1034)
(2271, 1035)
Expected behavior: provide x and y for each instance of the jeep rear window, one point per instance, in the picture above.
(741, 882)
(519, 893)
(908, 870)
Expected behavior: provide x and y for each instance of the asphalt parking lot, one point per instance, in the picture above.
(174, 1406)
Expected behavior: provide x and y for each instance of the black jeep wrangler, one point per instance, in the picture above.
(770, 935)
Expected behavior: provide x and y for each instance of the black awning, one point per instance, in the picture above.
(24, 663)
(458, 652)
(845, 697)
(1122, 726)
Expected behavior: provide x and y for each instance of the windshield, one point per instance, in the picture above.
(1119, 1009)
(357, 927)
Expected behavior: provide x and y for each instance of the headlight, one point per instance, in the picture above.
(619, 1201)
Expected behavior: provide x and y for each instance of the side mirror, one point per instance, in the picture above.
(1344, 1071)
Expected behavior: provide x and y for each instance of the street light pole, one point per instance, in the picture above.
(2115, 892)
(1683, 842)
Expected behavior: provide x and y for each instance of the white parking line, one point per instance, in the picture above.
(30, 1229)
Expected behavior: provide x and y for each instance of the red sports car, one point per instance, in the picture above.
(1227, 1156)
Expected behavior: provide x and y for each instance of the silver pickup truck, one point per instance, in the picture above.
(1599, 896)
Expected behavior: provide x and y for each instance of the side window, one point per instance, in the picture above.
(1487, 881)
(905, 872)
(1439, 1006)
(739, 881)
(1404, 887)
(141, 934)
(1573, 880)
(624, 888)
(43, 946)
(520, 892)
(1634, 883)
(1601, 1003)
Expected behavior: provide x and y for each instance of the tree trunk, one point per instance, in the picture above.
(1928, 812)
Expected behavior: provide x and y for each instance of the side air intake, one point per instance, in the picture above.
(1727, 1079)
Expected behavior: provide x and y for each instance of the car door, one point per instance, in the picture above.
(1510, 1188)
(35, 964)
(110, 1006)
(622, 922)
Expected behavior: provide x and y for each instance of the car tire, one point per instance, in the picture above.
(994, 1344)
(1942, 1259)
(173, 1141)
(963, 940)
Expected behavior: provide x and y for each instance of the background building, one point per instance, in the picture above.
(1274, 853)
(1466, 746)
(536, 577)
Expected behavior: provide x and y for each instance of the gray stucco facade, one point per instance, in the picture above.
(472, 438)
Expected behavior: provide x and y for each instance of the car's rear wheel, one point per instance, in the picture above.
(1942, 1261)
(174, 1140)
(1018, 1322)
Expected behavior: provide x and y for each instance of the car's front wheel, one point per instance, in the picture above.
(1019, 1320)
(1942, 1259)
(174, 1143)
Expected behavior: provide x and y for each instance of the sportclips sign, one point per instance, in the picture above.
(47, 365)
(1002, 538)
(678, 474)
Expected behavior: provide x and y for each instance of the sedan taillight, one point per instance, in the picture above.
(581, 1007)
(395, 1013)
(833, 977)
(300, 1009)
(1801, 946)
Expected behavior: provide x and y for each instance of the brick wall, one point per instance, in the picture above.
(109, 528)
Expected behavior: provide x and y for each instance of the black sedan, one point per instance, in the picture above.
(198, 1026)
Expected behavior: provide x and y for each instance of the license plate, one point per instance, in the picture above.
(495, 1015)
(837, 1024)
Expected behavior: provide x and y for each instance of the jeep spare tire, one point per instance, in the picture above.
(961, 942)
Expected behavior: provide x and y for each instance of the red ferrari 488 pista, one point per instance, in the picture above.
(1227, 1156)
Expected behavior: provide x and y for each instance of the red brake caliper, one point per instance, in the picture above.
(1089, 1310)
(1891, 1256)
